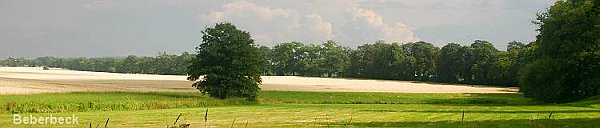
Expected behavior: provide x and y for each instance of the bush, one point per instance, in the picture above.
(537, 80)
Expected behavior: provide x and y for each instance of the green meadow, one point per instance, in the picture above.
(300, 109)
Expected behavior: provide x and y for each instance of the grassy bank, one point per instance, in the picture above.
(305, 109)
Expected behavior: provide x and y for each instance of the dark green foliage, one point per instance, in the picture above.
(566, 58)
(483, 56)
(538, 80)
(267, 64)
(295, 58)
(310, 59)
(379, 60)
(229, 62)
(512, 61)
(286, 58)
(448, 62)
(335, 58)
(422, 55)
(481, 63)
(411, 61)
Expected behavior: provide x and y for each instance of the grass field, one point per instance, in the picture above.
(303, 109)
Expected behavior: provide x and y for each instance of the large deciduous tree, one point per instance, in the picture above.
(229, 62)
(566, 64)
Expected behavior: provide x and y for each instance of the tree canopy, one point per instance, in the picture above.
(566, 57)
(229, 62)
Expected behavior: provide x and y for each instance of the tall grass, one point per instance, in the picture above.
(109, 101)
(125, 101)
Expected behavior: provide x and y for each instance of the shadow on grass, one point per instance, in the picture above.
(508, 111)
(486, 100)
(591, 102)
(517, 123)
(396, 98)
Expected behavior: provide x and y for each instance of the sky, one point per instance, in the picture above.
(117, 28)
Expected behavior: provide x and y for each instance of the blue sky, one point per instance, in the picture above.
(109, 28)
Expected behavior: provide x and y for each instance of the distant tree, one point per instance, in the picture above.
(448, 63)
(19, 62)
(379, 60)
(287, 57)
(267, 64)
(464, 65)
(566, 57)
(424, 55)
(483, 57)
(45, 61)
(335, 58)
(11, 62)
(514, 45)
(129, 65)
(182, 62)
(357, 63)
(311, 60)
(515, 57)
(166, 64)
(500, 71)
(229, 62)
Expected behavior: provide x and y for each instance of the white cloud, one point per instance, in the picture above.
(320, 25)
(348, 24)
(270, 26)
(398, 32)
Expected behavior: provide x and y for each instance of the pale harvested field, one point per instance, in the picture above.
(25, 80)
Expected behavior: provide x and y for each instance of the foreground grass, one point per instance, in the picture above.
(339, 115)
(307, 109)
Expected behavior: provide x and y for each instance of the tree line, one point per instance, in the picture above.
(478, 63)
(164, 63)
